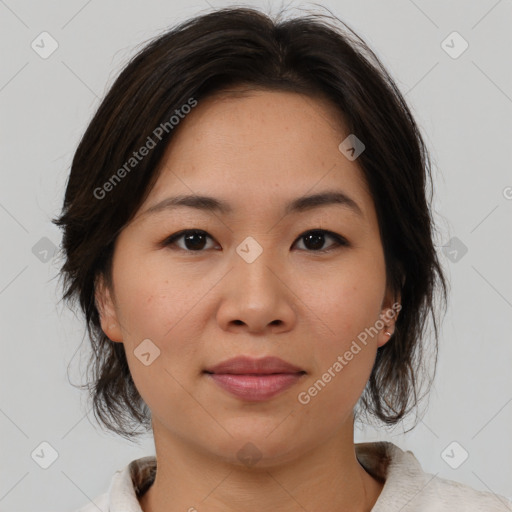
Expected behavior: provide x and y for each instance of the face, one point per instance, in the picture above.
(268, 274)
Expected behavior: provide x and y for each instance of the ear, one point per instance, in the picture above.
(391, 307)
(106, 309)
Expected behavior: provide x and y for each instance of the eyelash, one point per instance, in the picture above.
(339, 240)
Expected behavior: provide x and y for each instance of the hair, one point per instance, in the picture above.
(316, 55)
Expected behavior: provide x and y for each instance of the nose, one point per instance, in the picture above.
(257, 297)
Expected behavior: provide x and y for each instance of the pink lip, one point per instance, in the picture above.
(243, 365)
(255, 379)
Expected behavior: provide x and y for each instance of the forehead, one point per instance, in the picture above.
(259, 148)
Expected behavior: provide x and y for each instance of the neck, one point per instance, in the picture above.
(328, 477)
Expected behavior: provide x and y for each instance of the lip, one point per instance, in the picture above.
(255, 379)
(243, 365)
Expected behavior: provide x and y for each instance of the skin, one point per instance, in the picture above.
(256, 151)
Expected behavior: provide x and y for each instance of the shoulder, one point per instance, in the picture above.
(125, 487)
(99, 504)
(408, 488)
(442, 494)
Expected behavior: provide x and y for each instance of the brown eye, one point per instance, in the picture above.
(196, 240)
(193, 240)
(314, 240)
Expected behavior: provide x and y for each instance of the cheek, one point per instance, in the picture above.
(172, 350)
(345, 351)
(346, 298)
(158, 305)
(346, 308)
(150, 296)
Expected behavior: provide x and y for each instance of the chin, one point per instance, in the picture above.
(259, 444)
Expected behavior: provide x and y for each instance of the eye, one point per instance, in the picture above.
(315, 239)
(193, 239)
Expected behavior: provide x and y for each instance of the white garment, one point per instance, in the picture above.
(407, 488)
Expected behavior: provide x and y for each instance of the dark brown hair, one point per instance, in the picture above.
(317, 55)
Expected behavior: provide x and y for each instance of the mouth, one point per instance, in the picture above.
(255, 380)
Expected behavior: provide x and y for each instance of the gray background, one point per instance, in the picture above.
(463, 106)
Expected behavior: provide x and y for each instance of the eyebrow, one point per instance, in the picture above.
(212, 204)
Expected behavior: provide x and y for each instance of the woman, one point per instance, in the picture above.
(247, 230)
